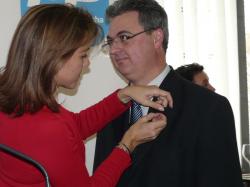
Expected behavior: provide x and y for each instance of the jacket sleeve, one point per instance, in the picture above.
(218, 159)
(110, 170)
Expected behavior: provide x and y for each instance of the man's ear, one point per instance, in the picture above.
(158, 37)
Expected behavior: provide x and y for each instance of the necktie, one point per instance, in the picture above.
(136, 112)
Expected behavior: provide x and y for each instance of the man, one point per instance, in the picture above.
(195, 73)
(198, 147)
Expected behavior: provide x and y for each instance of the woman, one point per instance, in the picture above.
(50, 49)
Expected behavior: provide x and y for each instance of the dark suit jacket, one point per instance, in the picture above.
(197, 148)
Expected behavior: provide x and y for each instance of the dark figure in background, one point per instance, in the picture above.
(195, 73)
(198, 147)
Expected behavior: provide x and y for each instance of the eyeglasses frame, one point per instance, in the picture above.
(129, 37)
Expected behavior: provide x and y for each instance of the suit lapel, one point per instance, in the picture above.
(170, 84)
(115, 131)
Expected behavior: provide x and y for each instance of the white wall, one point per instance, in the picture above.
(220, 63)
(9, 16)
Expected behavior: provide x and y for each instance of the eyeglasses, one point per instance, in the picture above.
(121, 38)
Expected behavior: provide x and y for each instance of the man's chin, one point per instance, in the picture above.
(127, 75)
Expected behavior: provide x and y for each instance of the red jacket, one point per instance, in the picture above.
(56, 141)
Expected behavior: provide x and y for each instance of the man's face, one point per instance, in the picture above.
(133, 58)
(202, 80)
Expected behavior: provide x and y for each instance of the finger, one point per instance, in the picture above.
(160, 123)
(164, 102)
(159, 116)
(166, 99)
(147, 118)
(159, 129)
(165, 96)
(156, 105)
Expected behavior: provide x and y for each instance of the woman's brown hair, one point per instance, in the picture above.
(46, 36)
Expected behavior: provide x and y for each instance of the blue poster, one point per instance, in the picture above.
(95, 7)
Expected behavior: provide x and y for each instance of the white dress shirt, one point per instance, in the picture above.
(157, 82)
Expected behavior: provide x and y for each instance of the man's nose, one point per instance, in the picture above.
(210, 87)
(115, 47)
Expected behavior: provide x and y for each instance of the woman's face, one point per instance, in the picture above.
(69, 74)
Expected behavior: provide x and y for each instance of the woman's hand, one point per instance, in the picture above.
(144, 130)
(145, 94)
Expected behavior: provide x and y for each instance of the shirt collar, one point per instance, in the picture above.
(158, 80)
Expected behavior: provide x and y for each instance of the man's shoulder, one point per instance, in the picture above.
(181, 88)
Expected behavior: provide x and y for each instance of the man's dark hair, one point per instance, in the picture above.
(189, 71)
